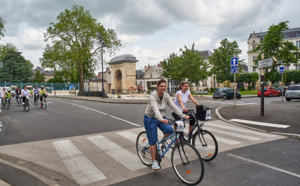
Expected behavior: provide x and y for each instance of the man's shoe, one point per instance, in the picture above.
(155, 165)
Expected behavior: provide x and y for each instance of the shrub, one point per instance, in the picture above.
(149, 91)
(242, 88)
(119, 96)
(249, 87)
(212, 89)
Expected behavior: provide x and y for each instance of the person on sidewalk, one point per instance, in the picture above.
(181, 98)
(155, 117)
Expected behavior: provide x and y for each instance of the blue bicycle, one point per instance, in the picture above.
(186, 160)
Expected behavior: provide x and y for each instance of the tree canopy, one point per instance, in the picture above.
(38, 77)
(15, 68)
(76, 47)
(220, 59)
(2, 29)
(273, 45)
(188, 65)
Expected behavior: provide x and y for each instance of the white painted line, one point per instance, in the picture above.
(227, 141)
(82, 170)
(88, 108)
(259, 123)
(123, 156)
(238, 130)
(234, 134)
(2, 183)
(128, 135)
(266, 165)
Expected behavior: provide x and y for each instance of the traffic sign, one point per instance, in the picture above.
(234, 69)
(234, 61)
(265, 63)
(281, 70)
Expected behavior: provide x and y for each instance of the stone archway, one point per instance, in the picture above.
(118, 79)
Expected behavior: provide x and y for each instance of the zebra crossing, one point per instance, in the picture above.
(107, 158)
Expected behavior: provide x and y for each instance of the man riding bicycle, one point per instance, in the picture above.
(24, 93)
(35, 93)
(43, 93)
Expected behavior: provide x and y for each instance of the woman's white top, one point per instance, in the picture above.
(184, 97)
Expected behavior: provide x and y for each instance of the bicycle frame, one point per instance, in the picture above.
(162, 154)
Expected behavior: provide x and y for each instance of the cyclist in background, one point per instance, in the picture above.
(35, 92)
(25, 92)
(181, 98)
(1, 96)
(8, 95)
(17, 93)
(155, 117)
(3, 93)
(43, 93)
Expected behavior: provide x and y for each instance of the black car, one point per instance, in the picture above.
(226, 93)
(284, 90)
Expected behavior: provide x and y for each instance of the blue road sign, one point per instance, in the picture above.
(281, 70)
(234, 69)
(234, 61)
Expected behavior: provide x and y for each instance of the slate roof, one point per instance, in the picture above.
(206, 53)
(123, 58)
(290, 33)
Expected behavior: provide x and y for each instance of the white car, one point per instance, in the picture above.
(292, 92)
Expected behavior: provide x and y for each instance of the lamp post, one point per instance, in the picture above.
(102, 45)
(54, 83)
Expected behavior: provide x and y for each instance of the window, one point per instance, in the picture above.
(254, 46)
(204, 82)
(298, 44)
(254, 69)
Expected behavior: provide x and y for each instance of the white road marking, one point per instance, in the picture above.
(82, 170)
(227, 141)
(234, 134)
(265, 165)
(259, 123)
(2, 183)
(128, 135)
(88, 108)
(123, 156)
(239, 130)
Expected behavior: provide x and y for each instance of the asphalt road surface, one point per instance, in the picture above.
(93, 143)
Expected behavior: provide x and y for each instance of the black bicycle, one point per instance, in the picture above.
(36, 98)
(203, 140)
(6, 103)
(26, 104)
(44, 101)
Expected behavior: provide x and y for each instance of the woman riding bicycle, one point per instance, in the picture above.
(25, 92)
(155, 117)
(17, 93)
(181, 98)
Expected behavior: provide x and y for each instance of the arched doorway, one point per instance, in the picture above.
(119, 81)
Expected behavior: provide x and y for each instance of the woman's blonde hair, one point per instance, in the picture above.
(182, 83)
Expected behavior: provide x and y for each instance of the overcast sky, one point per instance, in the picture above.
(150, 29)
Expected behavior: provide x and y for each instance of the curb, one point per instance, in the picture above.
(48, 176)
(292, 136)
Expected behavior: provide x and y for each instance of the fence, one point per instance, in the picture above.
(49, 86)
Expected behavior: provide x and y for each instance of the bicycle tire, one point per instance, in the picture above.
(187, 163)
(143, 148)
(45, 104)
(206, 143)
(27, 105)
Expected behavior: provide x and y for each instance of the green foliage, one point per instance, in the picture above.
(2, 30)
(76, 45)
(212, 89)
(220, 59)
(59, 78)
(226, 83)
(38, 77)
(273, 46)
(5, 48)
(242, 88)
(249, 87)
(247, 77)
(148, 91)
(293, 75)
(15, 68)
(188, 65)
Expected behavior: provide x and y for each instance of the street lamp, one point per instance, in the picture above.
(102, 45)
(54, 83)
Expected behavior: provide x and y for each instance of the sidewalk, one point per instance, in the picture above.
(279, 117)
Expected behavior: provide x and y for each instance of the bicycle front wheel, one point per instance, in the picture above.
(187, 163)
(45, 104)
(143, 148)
(207, 145)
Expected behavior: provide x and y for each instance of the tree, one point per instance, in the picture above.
(59, 78)
(273, 45)
(2, 30)
(15, 68)
(5, 48)
(220, 59)
(75, 43)
(188, 65)
(38, 77)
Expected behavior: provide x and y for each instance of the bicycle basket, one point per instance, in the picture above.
(203, 113)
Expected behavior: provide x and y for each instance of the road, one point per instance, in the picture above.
(92, 143)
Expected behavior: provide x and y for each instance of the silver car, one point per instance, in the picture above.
(292, 92)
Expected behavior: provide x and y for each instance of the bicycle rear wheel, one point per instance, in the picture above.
(45, 104)
(207, 145)
(143, 148)
(187, 163)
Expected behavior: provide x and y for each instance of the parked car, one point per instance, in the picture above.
(226, 93)
(284, 90)
(269, 91)
(293, 92)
